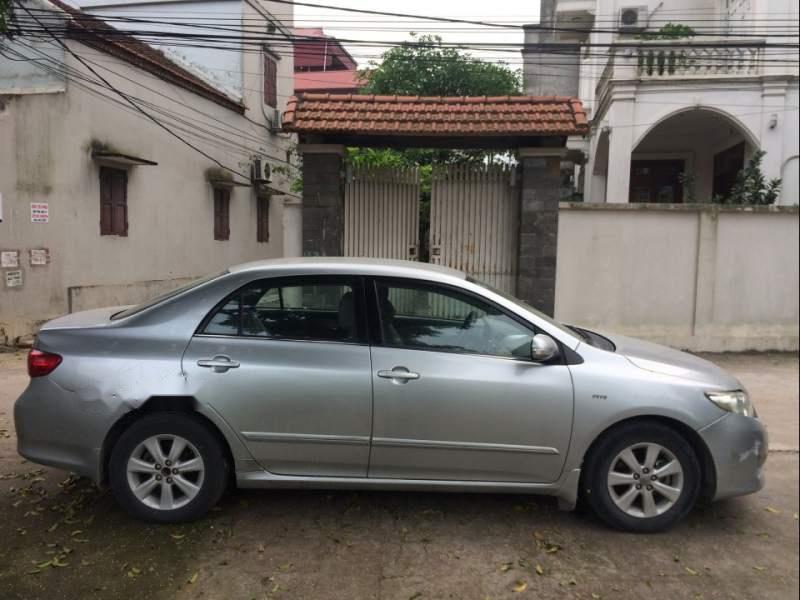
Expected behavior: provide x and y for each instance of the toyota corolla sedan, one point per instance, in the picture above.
(377, 374)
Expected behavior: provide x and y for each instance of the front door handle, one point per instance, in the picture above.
(219, 363)
(399, 375)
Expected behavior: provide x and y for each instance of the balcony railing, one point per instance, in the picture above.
(682, 59)
(697, 61)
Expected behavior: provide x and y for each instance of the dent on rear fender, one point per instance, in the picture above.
(116, 386)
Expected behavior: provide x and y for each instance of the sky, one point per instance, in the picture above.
(347, 25)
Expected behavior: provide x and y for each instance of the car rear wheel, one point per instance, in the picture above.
(642, 477)
(168, 468)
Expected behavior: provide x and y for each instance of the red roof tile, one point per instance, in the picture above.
(354, 114)
(94, 32)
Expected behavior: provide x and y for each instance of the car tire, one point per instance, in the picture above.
(623, 459)
(188, 463)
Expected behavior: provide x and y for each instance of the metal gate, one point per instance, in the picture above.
(475, 222)
(381, 212)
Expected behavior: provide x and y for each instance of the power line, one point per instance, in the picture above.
(134, 104)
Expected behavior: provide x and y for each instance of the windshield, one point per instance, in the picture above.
(524, 305)
(166, 296)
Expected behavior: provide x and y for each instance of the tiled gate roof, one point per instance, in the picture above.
(354, 114)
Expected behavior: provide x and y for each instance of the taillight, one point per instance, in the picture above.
(42, 363)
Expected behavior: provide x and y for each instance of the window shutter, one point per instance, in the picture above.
(106, 202)
(262, 219)
(113, 201)
(222, 214)
(270, 81)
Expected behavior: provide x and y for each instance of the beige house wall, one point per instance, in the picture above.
(45, 156)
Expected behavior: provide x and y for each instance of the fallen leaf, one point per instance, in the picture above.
(177, 536)
(58, 563)
(573, 582)
(520, 586)
(34, 571)
(261, 547)
(774, 511)
(539, 570)
(76, 532)
(415, 595)
(44, 565)
(505, 567)
(596, 596)
(52, 528)
(193, 578)
(551, 548)
(691, 571)
(759, 568)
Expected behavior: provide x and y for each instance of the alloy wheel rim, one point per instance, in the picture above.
(165, 472)
(645, 480)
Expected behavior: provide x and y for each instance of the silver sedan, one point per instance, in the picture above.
(350, 373)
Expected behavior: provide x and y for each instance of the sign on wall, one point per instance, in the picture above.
(9, 259)
(14, 278)
(39, 257)
(40, 212)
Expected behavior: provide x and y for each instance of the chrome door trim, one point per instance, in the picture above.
(448, 445)
(305, 438)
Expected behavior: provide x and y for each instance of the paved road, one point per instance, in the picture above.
(64, 539)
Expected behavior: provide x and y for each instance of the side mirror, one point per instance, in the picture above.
(543, 348)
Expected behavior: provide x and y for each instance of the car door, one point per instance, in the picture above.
(456, 395)
(286, 364)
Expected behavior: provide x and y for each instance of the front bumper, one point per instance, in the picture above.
(739, 447)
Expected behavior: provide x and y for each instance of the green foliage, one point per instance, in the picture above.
(5, 15)
(751, 187)
(670, 31)
(422, 66)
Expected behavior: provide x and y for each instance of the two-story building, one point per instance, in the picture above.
(128, 168)
(680, 94)
(323, 64)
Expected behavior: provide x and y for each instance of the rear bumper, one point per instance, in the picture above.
(739, 447)
(55, 428)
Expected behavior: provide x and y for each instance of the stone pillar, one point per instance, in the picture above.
(323, 199)
(538, 226)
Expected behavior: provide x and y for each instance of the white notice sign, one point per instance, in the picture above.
(39, 257)
(13, 278)
(9, 259)
(40, 212)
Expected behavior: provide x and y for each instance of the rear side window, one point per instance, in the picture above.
(319, 309)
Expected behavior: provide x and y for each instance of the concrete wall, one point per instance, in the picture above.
(46, 157)
(702, 278)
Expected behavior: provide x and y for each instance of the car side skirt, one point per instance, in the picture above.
(565, 489)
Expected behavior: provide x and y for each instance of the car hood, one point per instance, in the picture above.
(668, 361)
(96, 317)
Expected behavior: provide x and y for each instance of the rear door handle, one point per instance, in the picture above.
(399, 375)
(219, 363)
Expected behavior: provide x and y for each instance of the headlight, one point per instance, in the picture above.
(737, 402)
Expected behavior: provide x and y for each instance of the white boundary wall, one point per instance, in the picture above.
(697, 277)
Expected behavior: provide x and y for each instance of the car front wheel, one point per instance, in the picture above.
(168, 468)
(642, 477)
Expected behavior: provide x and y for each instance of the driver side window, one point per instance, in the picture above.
(429, 317)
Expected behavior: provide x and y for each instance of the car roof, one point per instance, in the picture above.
(362, 266)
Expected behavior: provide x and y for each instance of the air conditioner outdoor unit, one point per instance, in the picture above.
(632, 18)
(275, 121)
(260, 171)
